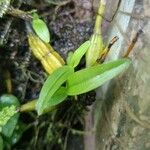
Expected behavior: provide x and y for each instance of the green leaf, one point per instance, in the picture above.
(17, 134)
(5, 114)
(41, 29)
(59, 96)
(70, 54)
(90, 78)
(78, 54)
(9, 100)
(1, 143)
(93, 52)
(51, 85)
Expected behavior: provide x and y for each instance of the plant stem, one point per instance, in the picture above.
(133, 42)
(25, 15)
(99, 17)
(30, 106)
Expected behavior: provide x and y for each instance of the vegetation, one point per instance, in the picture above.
(65, 82)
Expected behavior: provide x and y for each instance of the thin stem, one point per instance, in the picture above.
(99, 17)
(107, 49)
(131, 46)
(30, 106)
(21, 14)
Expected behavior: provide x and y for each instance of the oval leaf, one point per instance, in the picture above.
(5, 114)
(9, 100)
(78, 54)
(41, 29)
(90, 78)
(17, 134)
(51, 85)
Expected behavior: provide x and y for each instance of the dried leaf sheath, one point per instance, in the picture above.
(49, 58)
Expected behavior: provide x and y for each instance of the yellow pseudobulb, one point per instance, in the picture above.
(44, 52)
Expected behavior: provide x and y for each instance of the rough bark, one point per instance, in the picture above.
(123, 117)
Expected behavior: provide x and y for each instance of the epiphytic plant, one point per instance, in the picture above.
(63, 80)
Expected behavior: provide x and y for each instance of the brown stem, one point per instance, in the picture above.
(20, 13)
(108, 48)
(130, 48)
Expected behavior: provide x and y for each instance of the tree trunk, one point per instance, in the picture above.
(123, 122)
(121, 113)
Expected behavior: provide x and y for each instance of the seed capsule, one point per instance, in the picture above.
(44, 52)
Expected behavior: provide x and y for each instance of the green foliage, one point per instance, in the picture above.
(17, 133)
(41, 28)
(78, 54)
(82, 81)
(11, 129)
(59, 96)
(5, 114)
(7, 100)
(93, 52)
(90, 78)
(51, 85)
(62, 82)
(70, 54)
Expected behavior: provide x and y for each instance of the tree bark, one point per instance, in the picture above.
(124, 120)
